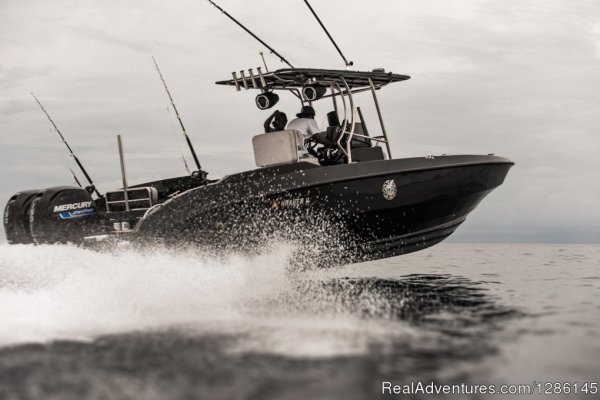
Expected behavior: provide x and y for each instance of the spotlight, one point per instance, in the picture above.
(266, 100)
(314, 92)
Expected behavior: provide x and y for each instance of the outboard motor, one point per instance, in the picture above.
(63, 214)
(16, 217)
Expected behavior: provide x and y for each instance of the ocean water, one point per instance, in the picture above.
(78, 324)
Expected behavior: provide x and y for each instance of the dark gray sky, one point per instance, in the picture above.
(518, 78)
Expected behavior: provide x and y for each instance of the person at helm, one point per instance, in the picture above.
(306, 124)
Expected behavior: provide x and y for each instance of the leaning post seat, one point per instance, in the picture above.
(282, 147)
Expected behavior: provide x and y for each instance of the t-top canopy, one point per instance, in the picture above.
(297, 78)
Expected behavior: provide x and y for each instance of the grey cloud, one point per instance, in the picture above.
(516, 78)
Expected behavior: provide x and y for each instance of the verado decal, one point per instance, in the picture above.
(72, 206)
(77, 213)
(291, 203)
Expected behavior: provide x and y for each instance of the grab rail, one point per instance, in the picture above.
(137, 199)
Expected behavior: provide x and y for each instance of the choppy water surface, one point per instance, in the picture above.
(79, 324)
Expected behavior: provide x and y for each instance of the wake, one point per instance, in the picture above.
(53, 292)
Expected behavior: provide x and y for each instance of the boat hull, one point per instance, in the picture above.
(359, 211)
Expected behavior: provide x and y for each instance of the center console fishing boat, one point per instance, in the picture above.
(351, 195)
(348, 196)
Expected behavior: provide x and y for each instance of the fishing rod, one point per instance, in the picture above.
(75, 177)
(178, 142)
(92, 186)
(187, 138)
(272, 50)
(185, 164)
(348, 63)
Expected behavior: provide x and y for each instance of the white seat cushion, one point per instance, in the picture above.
(274, 148)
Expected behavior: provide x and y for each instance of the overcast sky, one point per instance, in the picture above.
(518, 78)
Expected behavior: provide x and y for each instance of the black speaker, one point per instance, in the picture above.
(314, 92)
(266, 100)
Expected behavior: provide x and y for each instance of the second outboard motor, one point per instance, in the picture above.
(63, 214)
(16, 217)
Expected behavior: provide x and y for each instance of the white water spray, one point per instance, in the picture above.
(52, 292)
(67, 293)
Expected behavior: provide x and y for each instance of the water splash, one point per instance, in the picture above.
(50, 293)
(54, 292)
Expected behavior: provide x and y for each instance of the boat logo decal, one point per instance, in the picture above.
(77, 213)
(73, 206)
(291, 203)
(389, 189)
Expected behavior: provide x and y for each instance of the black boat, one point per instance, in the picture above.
(349, 197)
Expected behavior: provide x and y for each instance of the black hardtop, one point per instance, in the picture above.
(294, 78)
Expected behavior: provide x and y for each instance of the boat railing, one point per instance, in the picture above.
(141, 198)
(349, 117)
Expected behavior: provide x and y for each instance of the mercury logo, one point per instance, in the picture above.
(72, 206)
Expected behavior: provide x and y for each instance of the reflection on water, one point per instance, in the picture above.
(416, 298)
(322, 338)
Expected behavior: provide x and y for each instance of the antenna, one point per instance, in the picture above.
(178, 117)
(123, 172)
(68, 147)
(264, 62)
(348, 63)
(252, 34)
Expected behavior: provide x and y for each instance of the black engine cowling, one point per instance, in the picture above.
(62, 214)
(16, 217)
